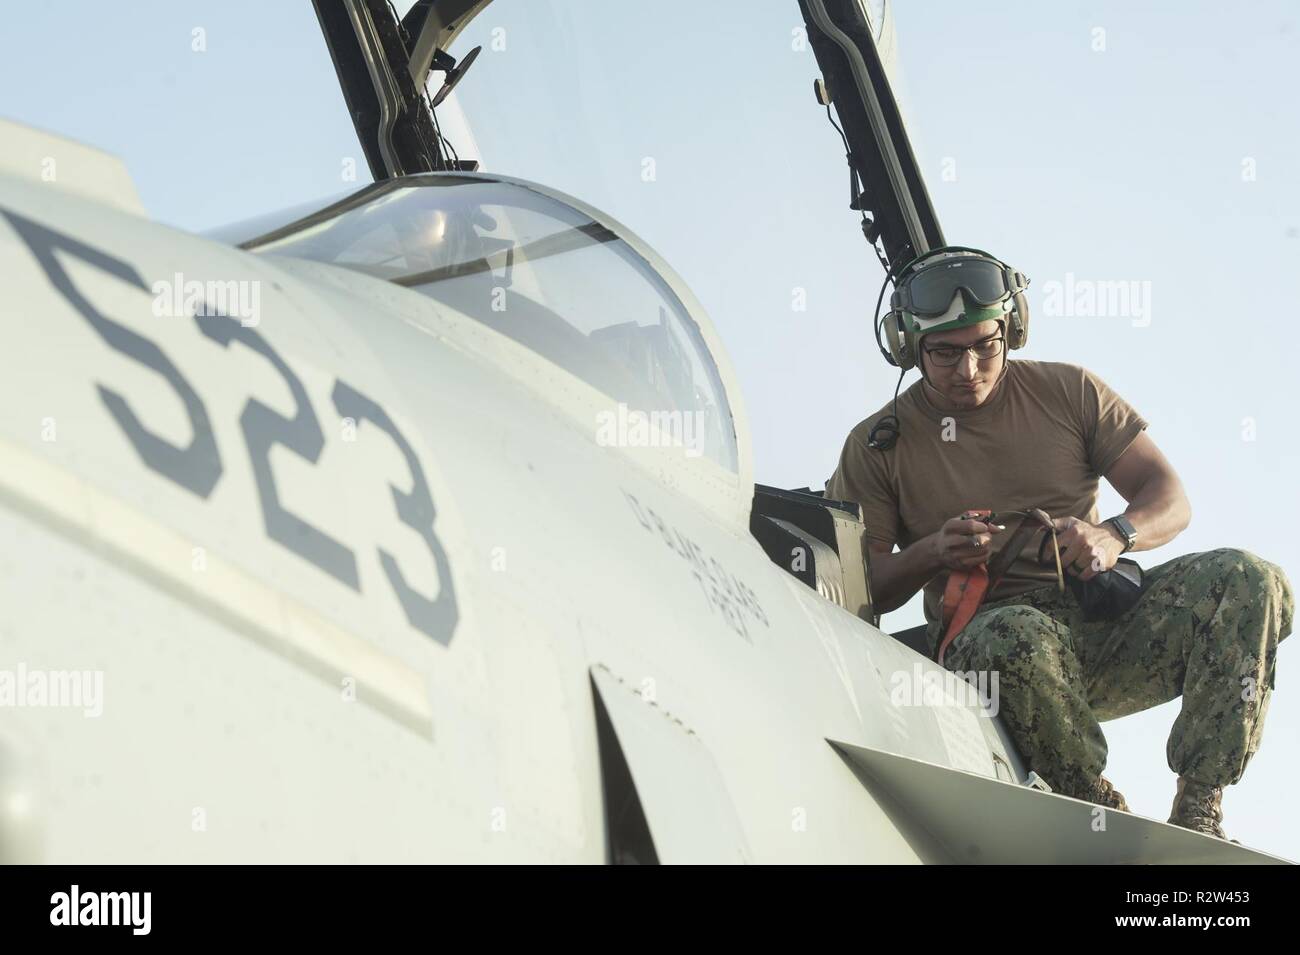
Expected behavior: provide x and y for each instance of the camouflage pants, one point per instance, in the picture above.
(1206, 628)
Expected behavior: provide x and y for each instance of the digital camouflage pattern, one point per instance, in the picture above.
(1206, 628)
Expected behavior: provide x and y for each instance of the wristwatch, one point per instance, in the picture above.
(1126, 530)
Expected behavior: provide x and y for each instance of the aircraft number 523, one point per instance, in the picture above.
(197, 466)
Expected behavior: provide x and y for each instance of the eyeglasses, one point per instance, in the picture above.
(945, 356)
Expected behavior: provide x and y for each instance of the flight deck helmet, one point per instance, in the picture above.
(953, 287)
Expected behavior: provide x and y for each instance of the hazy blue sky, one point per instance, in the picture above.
(1169, 157)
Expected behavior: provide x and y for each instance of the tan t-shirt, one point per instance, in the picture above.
(1044, 438)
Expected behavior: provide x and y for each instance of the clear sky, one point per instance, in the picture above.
(1161, 151)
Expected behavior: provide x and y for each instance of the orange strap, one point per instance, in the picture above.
(962, 597)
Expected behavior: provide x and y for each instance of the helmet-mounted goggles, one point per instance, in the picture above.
(928, 291)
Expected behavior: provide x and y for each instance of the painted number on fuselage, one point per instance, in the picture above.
(435, 618)
(264, 428)
(197, 467)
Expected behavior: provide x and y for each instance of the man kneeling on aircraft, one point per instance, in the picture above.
(980, 433)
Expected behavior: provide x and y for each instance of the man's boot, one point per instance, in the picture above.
(1199, 807)
(1104, 794)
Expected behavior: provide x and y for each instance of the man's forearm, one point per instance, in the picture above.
(896, 577)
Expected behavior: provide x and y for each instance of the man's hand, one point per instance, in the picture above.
(963, 543)
(1087, 549)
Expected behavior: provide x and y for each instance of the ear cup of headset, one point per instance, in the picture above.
(901, 347)
(1018, 322)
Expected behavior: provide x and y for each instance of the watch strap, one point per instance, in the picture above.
(1126, 530)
